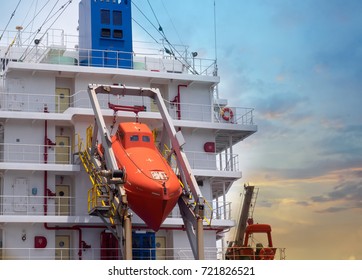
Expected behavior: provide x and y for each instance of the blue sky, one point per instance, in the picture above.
(299, 64)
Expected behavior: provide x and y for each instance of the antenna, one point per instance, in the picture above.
(215, 37)
(215, 41)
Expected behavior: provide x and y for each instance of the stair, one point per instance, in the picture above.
(98, 195)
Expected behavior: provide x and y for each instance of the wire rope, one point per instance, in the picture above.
(11, 17)
(48, 18)
(171, 50)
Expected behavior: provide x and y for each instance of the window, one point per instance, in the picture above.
(117, 17)
(146, 139)
(105, 17)
(134, 138)
(106, 32)
(118, 34)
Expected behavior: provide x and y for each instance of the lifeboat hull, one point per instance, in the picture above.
(151, 185)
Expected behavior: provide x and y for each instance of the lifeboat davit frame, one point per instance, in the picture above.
(191, 203)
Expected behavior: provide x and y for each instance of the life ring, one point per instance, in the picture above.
(266, 254)
(227, 114)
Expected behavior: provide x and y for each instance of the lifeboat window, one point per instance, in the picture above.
(134, 138)
(146, 139)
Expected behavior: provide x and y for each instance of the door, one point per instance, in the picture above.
(62, 200)
(143, 245)
(62, 247)
(62, 99)
(160, 247)
(62, 149)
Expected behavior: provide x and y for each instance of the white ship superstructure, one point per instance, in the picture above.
(45, 111)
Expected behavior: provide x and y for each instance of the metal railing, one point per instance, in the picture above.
(32, 153)
(58, 48)
(213, 161)
(27, 102)
(62, 154)
(29, 205)
(220, 210)
(33, 205)
(94, 253)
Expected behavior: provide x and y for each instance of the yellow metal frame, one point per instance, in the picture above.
(95, 197)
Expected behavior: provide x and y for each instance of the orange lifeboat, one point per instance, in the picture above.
(151, 185)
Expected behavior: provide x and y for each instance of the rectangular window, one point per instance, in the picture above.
(105, 17)
(118, 34)
(106, 32)
(117, 17)
(146, 138)
(134, 138)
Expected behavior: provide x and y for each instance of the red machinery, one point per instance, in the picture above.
(241, 248)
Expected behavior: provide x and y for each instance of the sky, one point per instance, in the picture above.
(299, 65)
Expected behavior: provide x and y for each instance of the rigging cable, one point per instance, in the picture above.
(62, 9)
(159, 25)
(27, 13)
(36, 15)
(145, 30)
(173, 25)
(49, 17)
(172, 50)
(134, 4)
(32, 37)
(160, 30)
(11, 17)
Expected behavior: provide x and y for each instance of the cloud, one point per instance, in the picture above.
(348, 195)
(265, 204)
(303, 203)
(332, 210)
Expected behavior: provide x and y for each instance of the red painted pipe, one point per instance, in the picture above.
(79, 229)
(45, 161)
(178, 101)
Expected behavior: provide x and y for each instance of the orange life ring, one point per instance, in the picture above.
(227, 114)
(266, 254)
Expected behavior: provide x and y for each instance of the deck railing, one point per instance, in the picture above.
(33, 153)
(212, 161)
(63, 154)
(220, 210)
(56, 205)
(56, 47)
(33, 205)
(94, 253)
(48, 102)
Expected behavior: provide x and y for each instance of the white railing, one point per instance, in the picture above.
(32, 153)
(207, 113)
(213, 161)
(58, 48)
(33, 205)
(27, 102)
(220, 210)
(94, 253)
